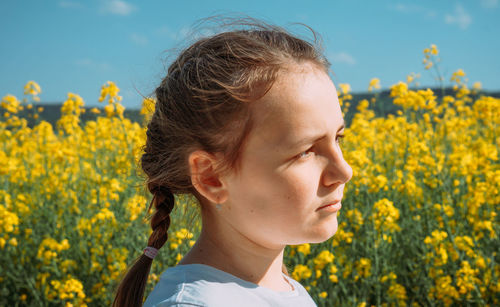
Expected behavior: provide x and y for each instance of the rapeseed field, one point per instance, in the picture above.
(419, 224)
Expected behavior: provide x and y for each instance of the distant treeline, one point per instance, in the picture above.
(382, 107)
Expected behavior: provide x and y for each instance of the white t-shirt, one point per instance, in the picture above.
(202, 285)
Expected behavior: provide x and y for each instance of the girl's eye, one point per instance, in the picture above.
(309, 152)
(305, 154)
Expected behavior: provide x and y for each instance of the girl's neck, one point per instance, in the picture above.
(259, 267)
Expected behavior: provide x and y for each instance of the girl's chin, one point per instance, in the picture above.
(324, 234)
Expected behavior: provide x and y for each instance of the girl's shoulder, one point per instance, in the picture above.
(203, 285)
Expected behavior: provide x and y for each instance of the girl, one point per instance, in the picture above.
(249, 122)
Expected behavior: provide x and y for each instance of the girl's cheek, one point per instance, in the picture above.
(300, 188)
(299, 184)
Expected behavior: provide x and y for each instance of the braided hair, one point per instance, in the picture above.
(164, 203)
(134, 282)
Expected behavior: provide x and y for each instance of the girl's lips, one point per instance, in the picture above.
(334, 206)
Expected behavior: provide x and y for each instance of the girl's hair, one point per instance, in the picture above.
(203, 104)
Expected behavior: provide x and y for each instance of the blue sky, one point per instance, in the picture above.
(76, 46)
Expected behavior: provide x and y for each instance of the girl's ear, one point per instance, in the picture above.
(205, 178)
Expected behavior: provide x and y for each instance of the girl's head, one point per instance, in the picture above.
(204, 101)
(207, 137)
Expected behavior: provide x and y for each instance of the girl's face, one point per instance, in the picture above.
(291, 164)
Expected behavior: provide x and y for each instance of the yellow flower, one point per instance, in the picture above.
(110, 90)
(13, 242)
(398, 292)
(444, 290)
(8, 220)
(71, 288)
(363, 105)
(412, 77)
(442, 256)
(437, 236)
(135, 206)
(183, 234)
(148, 107)
(109, 109)
(374, 84)
(49, 247)
(318, 274)
(333, 278)
(119, 109)
(434, 50)
(466, 278)
(363, 266)
(333, 271)
(304, 249)
(11, 104)
(32, 88)
(301, 272)
(390, 276)
(465, 243)
(178, 257)
(480, 262)
(95, 110)
(344, 88)
(322, 259)
(323, 294)
(378, 183)
(385, 216)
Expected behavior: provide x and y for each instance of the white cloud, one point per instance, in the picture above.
(70, 4)
(413, 9)
(489, 3)
(459, 17)
(167, 32)
(139, 39)
(117, 7)
(406, 8)
(431, 14)
(342, 57)
(93, 65)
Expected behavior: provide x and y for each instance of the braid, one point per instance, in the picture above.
(134, 282)
(163, 201)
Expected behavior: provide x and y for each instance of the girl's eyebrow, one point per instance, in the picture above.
(314, 139)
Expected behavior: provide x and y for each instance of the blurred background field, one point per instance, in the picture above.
(419, 224)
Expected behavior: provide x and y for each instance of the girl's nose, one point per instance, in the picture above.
(337, 170)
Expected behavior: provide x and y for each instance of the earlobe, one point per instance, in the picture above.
(205, 178)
